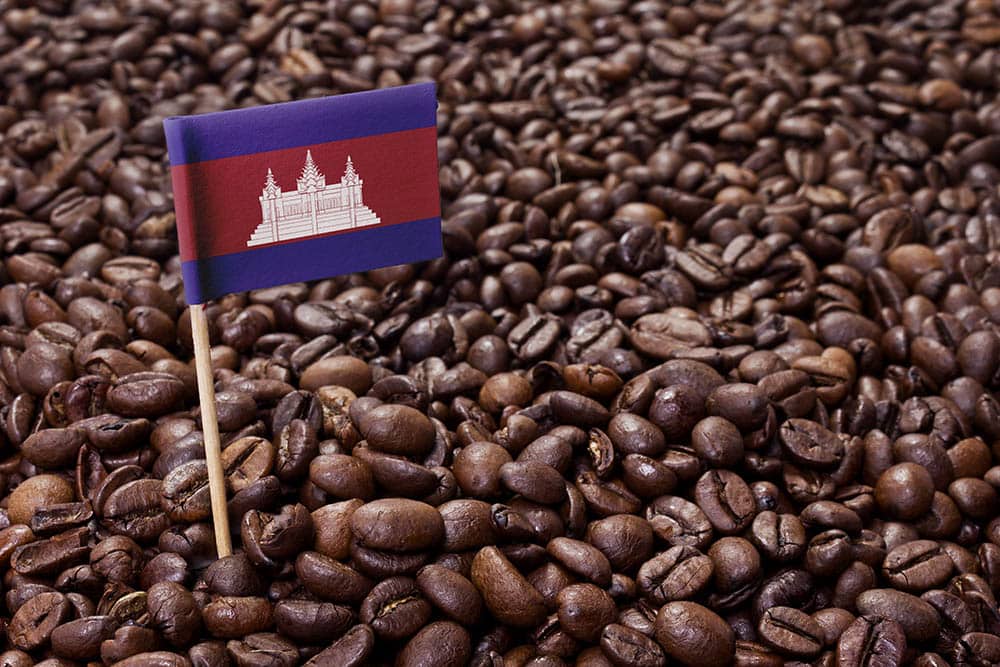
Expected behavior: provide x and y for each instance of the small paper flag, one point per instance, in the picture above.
(305, 190)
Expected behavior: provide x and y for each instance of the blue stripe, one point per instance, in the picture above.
(312, 259)
(302, 123)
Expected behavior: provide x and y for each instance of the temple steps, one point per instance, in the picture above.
(301, 227)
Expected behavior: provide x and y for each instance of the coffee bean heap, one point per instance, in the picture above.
(707, 374)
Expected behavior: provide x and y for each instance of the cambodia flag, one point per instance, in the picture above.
(305, 190)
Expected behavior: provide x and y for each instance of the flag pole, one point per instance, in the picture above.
(210, 429)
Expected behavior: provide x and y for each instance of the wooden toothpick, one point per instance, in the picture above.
(210, 429)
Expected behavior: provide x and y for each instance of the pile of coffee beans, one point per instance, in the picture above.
(707, 374)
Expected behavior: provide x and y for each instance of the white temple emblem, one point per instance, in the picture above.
(313, 208)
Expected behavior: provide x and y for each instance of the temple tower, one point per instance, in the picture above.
(351, 184)
(269, 203)
(309, 184)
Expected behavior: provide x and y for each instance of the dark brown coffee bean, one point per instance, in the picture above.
(175, 613)
(398, 429)
(869, 639)
(397, 525)
(449, 591)
(917, 566)
(311, 622)
(52, 555)
(905, 491)
(185, 492)
(477, 469)
(534, 480)
(247, 460)
(54, 448)
(145, 394)
(679, 573)
(624, 646)
(331, 580)
(342, 476)
(676, 409)
(35, 492)
(32, 625)
(726, 500)
(508, 596)
(693, 634)
(584, 610)
(679, 522)
(781, 537)
(234, 617)
(351, 650)
(582, 559)
(791, 632)
(395, 608)
(625, 540)
(632, 434)
(918, 619)
(810, 444)
(127, 641)
(442, 642)
(134, 510)
(718, 442)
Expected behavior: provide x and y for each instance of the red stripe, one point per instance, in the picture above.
(217, 201)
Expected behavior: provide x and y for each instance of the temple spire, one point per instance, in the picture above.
(350, 176)
(309, 170)
(311, 178)
(271, 189)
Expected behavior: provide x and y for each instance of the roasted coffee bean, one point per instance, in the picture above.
(397, 525)
(508, 596)
(442, 642)
(584, 610)
(791, 632)
(81, 638)
(329, 579)
(917, 566)
(134, 510)
(174, 613)
(395, 608)
(624, 646)
(342, 476)
(268, 646)
(693, 634)
(726, 500)
(625, 540)
(185, 493)
(782, 537)
(718, 442)
(582, 559)
(810, 444)
(127, 641)
(870, 639)
(679, 522)
(247, 460)
(397, 429)
(918, 619)
(679, 573)
(231, 617)
(34, 622)
(145, 394)
(534, 481)
(736, 568)
(311, 622)
(268, 538)
(905, 491)
(452, 593)
(351, 650)
(36, 492)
